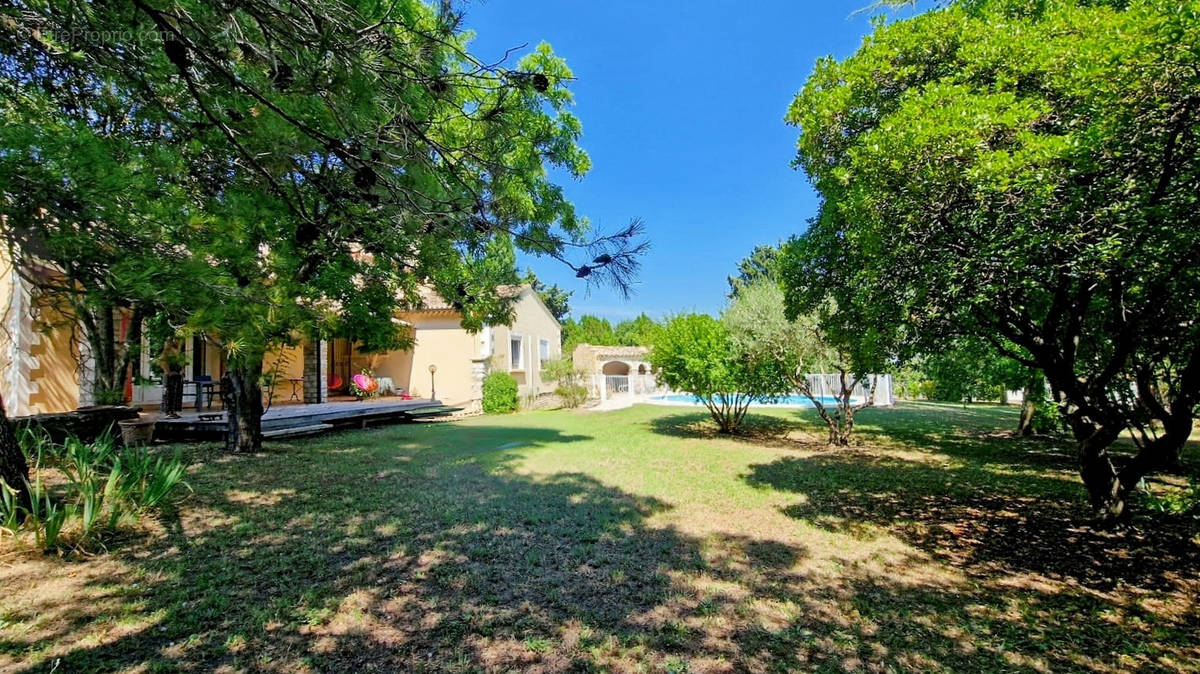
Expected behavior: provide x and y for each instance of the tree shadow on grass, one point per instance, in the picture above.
(981, 432)
(763, 430)
(1007, 512)
(417, 549)
(1017, 534)
(386, 552)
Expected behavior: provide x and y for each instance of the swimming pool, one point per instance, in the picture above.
(784, 401)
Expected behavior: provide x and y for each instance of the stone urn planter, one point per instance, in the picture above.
(137, 432)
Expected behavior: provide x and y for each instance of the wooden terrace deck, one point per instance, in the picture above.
(290, 420)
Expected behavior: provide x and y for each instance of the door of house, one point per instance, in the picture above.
(340, 352)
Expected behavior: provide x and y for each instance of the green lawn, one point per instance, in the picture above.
(624, 541)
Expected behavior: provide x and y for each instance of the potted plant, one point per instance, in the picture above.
(137, 432)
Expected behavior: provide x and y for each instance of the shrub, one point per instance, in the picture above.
(103, 488)
(109, 397)
(571, 395)
(571, 391)
(558, 370)
(1046, 418)
(500, 393)
(1181, 502)
(694, 353)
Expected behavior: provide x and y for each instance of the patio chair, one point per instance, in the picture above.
(365, 383)
(200, 390)
(386, 386)
(209, 389)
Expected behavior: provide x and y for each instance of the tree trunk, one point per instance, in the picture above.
(14, 469)
(839, 434)
(1035, 394)
(1109, 488)
(1105, 490)
(133, 349)
(104, 357)
(847, 426)
(112, 355)
(242, 395)
(1025, 423)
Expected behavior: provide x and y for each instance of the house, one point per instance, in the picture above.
(461, 358)
(44, 359)
(40, 356)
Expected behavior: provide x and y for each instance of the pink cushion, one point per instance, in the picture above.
(364, 383)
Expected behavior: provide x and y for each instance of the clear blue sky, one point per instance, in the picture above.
(682, 106)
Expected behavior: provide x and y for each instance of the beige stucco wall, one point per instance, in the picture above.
(398, 365)
(57, 371)
(532, 322)
(289, 360)
(6, 345)
(441, 341)
(39, 362)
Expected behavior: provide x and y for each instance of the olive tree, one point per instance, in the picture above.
(801, 356)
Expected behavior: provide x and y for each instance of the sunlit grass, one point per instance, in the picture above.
(636, 540)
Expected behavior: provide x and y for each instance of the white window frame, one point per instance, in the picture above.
(519, 363)
(543, 359)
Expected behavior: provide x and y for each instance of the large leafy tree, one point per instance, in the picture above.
(330, 159)
(639, 331)
(1027, 173)
(587, 330)
(86, 199)
(971, 369)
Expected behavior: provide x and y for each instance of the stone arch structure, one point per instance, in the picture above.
(616, 370)
(615, 367)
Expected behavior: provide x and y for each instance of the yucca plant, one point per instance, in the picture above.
(118, 491)
(46, 517)
(12, 515)
(88, 467)
(85, 462)
(151, 479)
(52, 525)
(103, 487)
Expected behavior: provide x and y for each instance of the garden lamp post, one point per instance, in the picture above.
(432, 390)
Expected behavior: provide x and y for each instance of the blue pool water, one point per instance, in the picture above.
(785, 401)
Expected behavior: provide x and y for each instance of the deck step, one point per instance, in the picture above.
(296, 431)
(433, 411)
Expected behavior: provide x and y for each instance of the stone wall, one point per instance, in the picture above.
(316, 372)
(87, 424)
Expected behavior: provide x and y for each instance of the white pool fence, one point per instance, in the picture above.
(637, 386)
